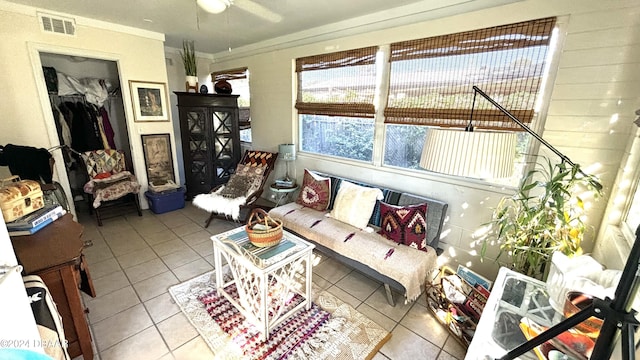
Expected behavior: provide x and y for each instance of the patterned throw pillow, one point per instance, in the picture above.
(257, 170)
(240, 185)
(257, 158)
(405, 224)
(354, 204)
(315, 192)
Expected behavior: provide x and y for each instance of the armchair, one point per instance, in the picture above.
(244, 188)
(109, 181)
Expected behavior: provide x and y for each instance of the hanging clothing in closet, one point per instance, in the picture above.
(89, 125)
(63, 127)
(85, 133)
(87, 120)
(107, 128)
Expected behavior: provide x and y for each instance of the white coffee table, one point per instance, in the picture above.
(275, 273)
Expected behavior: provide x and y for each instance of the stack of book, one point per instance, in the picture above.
(32, 223)
(284, 183)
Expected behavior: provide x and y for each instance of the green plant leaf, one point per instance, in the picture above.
(543, 216)
(188, 56)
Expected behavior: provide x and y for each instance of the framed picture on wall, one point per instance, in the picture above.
(150, 102)
(157, 158)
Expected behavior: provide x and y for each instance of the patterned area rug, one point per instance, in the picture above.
(331, 329)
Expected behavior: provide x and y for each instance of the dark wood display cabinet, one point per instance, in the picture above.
(210, 139)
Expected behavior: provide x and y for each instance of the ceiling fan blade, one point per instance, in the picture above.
(258, 10)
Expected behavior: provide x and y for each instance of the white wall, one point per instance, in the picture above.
(598, 77)
(26, 111)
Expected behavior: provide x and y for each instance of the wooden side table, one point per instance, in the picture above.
(55, 254)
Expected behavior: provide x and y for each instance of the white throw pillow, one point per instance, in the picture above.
(354, 204)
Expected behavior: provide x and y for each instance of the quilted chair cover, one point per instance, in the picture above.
(109, 179)
(103, 161)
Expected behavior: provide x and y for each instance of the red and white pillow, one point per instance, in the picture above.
(315, 192)
(405, 224)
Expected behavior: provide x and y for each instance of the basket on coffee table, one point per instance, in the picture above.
(263, 230)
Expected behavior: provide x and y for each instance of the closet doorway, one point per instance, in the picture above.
(85, 95)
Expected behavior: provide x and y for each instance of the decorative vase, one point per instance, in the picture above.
(222, 87)
(192, 80)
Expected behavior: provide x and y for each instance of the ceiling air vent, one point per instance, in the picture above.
(57, 24)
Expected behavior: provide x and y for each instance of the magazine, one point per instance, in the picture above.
(35, 229)
(36, 218)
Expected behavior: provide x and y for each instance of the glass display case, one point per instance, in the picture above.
(210, 139)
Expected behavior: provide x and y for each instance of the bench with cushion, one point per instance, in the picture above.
(346, 224)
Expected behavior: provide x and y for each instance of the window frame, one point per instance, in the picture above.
(500, 48)
(633, 178)
(383, 71)
(627, 230)
(232, 75)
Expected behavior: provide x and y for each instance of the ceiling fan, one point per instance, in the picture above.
(218, 6)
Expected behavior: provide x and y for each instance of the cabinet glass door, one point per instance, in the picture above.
(223, 144)
(196, 126)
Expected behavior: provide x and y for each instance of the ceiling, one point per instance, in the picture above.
(237, 27)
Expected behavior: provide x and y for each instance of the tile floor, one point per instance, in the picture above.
(133, 260)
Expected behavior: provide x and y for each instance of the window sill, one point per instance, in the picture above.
(417, 174)
(613, 249)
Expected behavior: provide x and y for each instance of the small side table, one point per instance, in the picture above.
(282, 193)
(263, 280)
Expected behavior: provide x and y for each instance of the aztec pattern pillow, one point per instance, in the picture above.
(315, 192)
(405, 224)
(241, 185)
(354, 204)
(257, 158)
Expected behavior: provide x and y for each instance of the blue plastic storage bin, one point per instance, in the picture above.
(163, 202)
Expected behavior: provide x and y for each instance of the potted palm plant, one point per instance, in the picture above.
(546, 214)
(188, 55)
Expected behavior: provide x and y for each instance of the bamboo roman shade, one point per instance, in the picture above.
(233, 74)
(431, 79)
(337, 84)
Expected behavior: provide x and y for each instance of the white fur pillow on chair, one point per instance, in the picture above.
(229, 198)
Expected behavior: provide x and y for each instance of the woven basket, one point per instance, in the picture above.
(263, 230)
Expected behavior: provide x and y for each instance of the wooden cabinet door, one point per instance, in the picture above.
(195, 130)
(226, 142)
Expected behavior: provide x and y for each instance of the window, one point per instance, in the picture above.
(632, 219)
(629, 190)
(239, 80)
(430, 83)
(335, 103)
